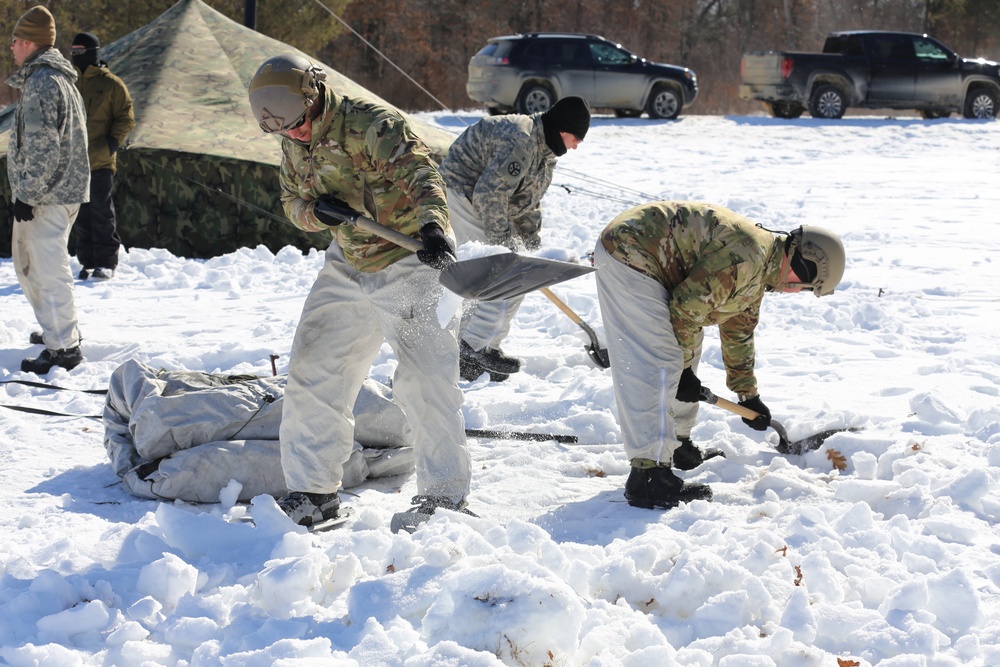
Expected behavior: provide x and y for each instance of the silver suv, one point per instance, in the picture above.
(529, 73)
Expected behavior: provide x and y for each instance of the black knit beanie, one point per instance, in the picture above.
(89, 56)
(570, 114)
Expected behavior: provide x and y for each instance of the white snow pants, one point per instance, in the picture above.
(345, 318)
(484, 323)
(646, 361)
(41, 263)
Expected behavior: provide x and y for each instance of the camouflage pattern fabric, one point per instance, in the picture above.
(367, 155)
(197, 163)
(503, 166)
(109, 113)
(716, 265)
(47, 162)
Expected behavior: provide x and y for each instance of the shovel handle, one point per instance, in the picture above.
(352, 217)
(561, 305)
(737, 409)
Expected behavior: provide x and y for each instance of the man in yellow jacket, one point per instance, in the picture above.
(109, 120)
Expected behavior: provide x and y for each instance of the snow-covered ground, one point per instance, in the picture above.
(892, 560)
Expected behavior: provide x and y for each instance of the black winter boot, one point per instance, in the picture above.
(689, 457)
(423, 508)
(307, 509)
(69, 359)
(490, 359)
(652, 486)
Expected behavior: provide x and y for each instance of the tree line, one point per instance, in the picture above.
(386, 43)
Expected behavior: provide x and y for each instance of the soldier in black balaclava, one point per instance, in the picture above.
(109, 120)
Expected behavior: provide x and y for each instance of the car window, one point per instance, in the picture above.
(487, 50)
(607, 54)
(892, 46)
(928, 50)
(569, 53)
(848, 45)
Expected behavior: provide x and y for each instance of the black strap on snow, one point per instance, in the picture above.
(49, 413)
(42, 385)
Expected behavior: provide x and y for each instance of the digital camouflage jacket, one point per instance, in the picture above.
(47, 155)
(503, 166)
(368, 156)
(715, 263)
(109, 113)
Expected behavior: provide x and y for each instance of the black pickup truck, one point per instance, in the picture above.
(872, 70)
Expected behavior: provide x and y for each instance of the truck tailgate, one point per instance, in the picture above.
(762, 68)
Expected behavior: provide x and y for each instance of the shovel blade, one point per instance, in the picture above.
(506, 275)
(809, 444)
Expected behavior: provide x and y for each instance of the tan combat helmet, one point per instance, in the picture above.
(282, 91)
(826, 251)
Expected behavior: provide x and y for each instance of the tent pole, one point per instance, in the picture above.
(250, 14)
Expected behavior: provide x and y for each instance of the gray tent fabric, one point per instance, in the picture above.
(186, 435)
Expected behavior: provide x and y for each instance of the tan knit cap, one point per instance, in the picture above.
(38, 26)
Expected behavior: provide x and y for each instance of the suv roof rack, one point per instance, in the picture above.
(559, 34)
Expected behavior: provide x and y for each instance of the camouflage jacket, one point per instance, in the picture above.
(369, 157)
(503, 166)
(109, 113)
(715, 263)
(47, 155)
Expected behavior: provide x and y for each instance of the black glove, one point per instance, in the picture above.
(689, 388)
(437, 252)
(112, 144)
(325, 209)
(23, 212)
(764, 420)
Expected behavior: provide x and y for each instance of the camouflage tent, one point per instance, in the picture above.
(197, 176)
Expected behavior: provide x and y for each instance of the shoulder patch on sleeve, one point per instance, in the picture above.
(515, 166)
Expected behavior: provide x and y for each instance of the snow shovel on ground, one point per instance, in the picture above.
(784, 446)
(598, 354)
(489, 278)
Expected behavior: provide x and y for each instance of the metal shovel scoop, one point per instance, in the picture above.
(489, 278)
(597, 354)
(784, 445)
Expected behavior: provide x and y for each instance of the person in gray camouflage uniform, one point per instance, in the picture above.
(354, 153)
(666, 270)
(497, 172)
(49, 177)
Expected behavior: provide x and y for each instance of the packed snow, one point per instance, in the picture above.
(879, 548)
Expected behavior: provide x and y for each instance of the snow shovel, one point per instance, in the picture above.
(490, 278)
(784, 446)
(598, 354)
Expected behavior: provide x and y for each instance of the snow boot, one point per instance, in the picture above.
(423, 508)
(650, 486)
(689, 457)
(470, 369)
(490, 358)
(35, 338)
(307, 509)
(43, 363)
(102, 273)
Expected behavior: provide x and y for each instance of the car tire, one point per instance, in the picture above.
(664, 103)
(981, 103)
(827, 101)
(628, 113)
(785, 109)
(535, 98)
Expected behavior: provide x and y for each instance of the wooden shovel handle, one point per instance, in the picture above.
(352, 217)
(561, 305)
(735, 408)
